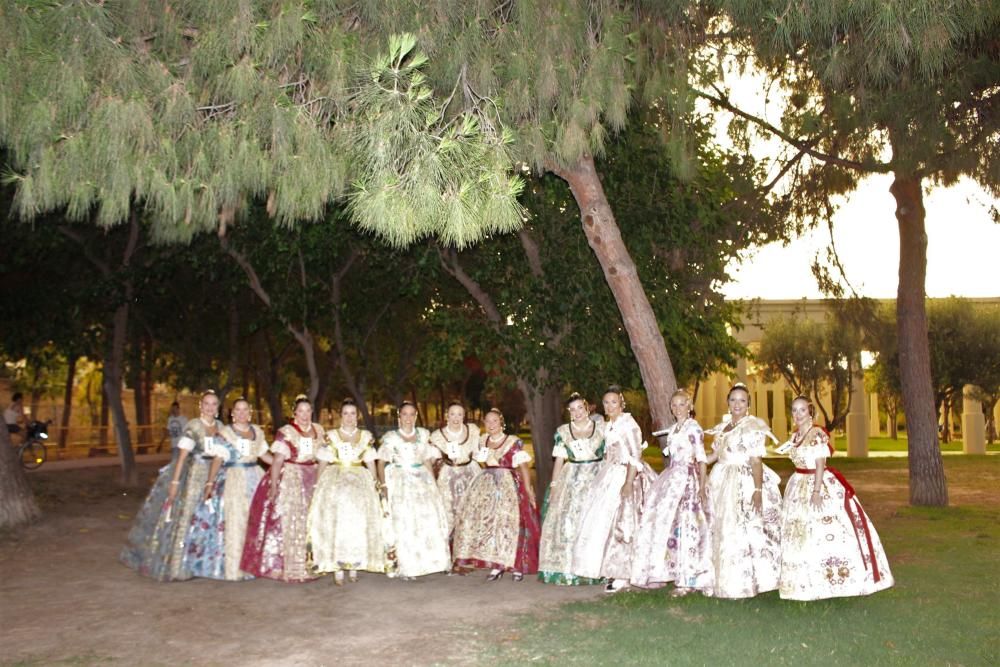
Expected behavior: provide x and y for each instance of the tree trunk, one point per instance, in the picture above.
(138, 390)
(105, 412)
(113, 361)
(67, 410)
(891, 419)
(605, 239)
(545, 412)
(927, 481)
(17, 503)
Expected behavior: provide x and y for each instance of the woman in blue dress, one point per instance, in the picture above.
(156, 543)
(219, 525)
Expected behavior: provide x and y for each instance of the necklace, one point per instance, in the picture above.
(408, 437)
(348, 437)
(242, 428)
(490, 439)
(800, 436)
(733, 424)
(593, 429)
(447, 429)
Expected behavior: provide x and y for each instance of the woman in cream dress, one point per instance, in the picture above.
(276, 542)
(606, 540)
(419, 523)
(219, 525)
(578, 452)
(345, 517)
(746, 502)
(457, 441)
(497, 525)
(829, 547)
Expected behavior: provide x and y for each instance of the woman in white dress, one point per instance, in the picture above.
(606, 539)
(746, 502)
(345, 516)
(457, 441)
(674, 537)
(829, 547)
(578, 452)
(416, 511)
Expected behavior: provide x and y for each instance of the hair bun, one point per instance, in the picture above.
(301, 397)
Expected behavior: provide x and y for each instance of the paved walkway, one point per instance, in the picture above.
(100, 461)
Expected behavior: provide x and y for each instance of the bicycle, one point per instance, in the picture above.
(32, 451)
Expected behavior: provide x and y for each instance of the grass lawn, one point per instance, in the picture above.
(944, 609)
(881, 444)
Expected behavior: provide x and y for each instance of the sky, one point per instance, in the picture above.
(963, 249)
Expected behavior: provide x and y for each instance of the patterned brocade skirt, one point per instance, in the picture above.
(276, 532)
(156, 542)
(219, 527)
(674, 540)
(345, 530)
(453, 482)
(418, 520)
(829, 551)
(746, 546)
(563, 514)
(497, 527)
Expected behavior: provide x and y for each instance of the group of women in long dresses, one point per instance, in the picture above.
(458, 500)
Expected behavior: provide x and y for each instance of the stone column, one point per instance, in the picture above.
(973, 422)
(758, 401)
(857, 419)
(779, 423)
(874, 420)
(721, 389)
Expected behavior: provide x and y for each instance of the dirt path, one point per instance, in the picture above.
(65, 599)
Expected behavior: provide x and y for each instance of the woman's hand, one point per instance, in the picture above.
(816, 500)
(757, 502)
(172, 491)
(209, 491)
(272, 492)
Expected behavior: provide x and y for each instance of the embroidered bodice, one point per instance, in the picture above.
(573, 448)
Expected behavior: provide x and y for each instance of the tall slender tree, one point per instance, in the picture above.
(895, 87)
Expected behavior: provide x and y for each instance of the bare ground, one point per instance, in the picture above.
(67, 600)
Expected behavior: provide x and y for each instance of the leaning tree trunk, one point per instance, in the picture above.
(544, 408)
(17, 503)
(113, 362)
(67, 410)
(927, 481)
(605, 240)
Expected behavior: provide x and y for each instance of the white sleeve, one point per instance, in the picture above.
(185, 443)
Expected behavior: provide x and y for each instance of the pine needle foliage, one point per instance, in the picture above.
(191, 111)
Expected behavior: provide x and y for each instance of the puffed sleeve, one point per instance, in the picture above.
(559, 448)
(279, 446)
(754, 443)
(387, 450)
(431, 453)
(697, 439)
(325, 454)
(819, 447)
(259, 443)
(520, 456)
(186, 443)
(633, 443)
(368, 455)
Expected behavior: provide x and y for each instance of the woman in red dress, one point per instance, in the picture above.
(277, 536)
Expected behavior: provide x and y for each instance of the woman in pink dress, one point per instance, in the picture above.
(829, 547)
(674, 537)
(606, 538)
(277, 536)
